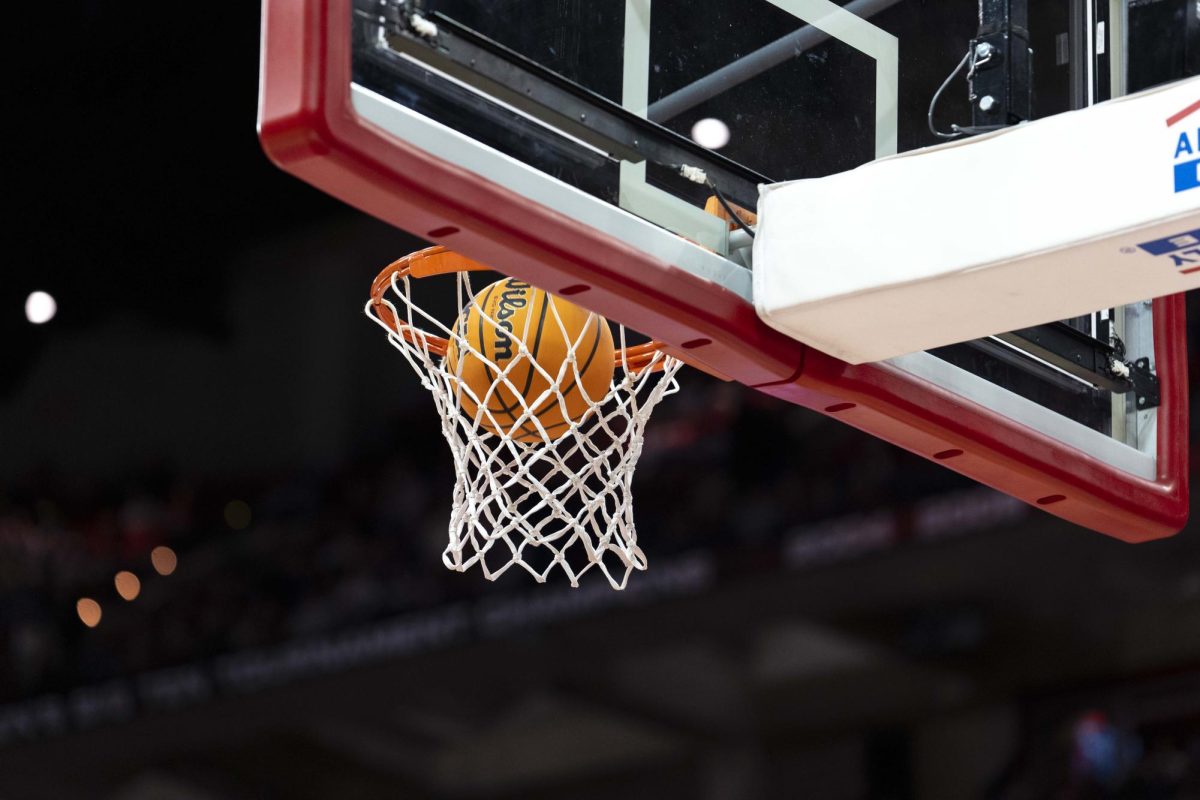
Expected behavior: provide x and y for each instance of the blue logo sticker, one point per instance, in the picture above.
(1182, 250)
(1179, 241)
(1187, 175)
(1187, 150)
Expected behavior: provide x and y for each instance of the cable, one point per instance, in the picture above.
(975, 58)
(729, 209)
(697, 175)
(956, 131)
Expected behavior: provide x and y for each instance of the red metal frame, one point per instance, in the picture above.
(307, 127)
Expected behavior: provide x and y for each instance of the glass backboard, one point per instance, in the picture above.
(562, 142)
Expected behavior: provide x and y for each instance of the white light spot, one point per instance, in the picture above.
(710, 133)
(40, 307)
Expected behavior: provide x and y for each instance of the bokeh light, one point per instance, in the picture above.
(88, 611)
(710, 133)
(128, 585)
(40, 308)
(163, 559)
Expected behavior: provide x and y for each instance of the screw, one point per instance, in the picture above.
(987, 102)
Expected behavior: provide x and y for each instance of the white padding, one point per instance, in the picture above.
(1044, 221)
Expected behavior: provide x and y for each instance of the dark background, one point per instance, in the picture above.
(824, 616)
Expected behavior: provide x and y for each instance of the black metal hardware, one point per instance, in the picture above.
(496, 71)
(1072, 351)
(1002, 65)
(1093, 360)
(1145, 385)
(388, 12)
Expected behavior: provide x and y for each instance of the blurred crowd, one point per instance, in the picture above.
(259, 560)
(263, 559)
(268, 558)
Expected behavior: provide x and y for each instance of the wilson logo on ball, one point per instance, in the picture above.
(511, 299)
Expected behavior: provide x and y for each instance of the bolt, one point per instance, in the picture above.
(984, 51)
(987, 103)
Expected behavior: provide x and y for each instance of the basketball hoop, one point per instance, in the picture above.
(526, 493)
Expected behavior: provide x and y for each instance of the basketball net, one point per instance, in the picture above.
(563, 502)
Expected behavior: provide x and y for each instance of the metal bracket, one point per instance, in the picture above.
(385, 12)
(1145, 384)
(1089, 359)
(1073, 352)
(1001, 65)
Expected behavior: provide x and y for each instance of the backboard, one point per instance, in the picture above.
(575, 144)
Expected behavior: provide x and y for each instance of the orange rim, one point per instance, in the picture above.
(438, 260)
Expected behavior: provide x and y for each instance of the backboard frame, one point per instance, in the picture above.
(312, 125)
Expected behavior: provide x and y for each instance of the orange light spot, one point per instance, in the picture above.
(88, 611)
(128, 585)
(164, 560)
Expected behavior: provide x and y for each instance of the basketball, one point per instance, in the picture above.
(505, 315)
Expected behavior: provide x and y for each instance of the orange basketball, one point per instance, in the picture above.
(514, 326)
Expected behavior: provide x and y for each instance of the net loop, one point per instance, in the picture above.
(525, 496)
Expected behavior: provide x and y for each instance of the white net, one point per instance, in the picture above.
(526, 493)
